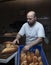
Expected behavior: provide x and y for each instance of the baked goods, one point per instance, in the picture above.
(10, 34)
(40, 63)
(31, 63)
(31, 58)
(24, 63)
(10, 47)
(35, 59)
(39, 59)
(8, 50)
(37, 53)
(9, 44)
(23, 57)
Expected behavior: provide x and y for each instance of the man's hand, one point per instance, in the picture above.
(16, 40)
(26, 48)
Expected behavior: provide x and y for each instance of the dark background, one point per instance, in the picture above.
(13, 14)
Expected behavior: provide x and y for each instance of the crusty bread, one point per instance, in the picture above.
(10, 47)
(9, 44)
(10, 34)
(9, 50)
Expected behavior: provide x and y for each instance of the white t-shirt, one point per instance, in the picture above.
(32, 33)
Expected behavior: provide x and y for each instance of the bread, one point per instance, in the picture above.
(37, 53)
(9, 44)
(10, 47)
(8, 34)
(9, 50)
(24, 63)
(31, 63)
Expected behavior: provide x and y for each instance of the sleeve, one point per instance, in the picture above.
(41, 31)
(22, 30)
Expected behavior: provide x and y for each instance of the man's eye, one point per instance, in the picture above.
(29, 19)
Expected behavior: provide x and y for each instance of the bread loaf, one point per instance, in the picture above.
(10, 47)
(9, 50)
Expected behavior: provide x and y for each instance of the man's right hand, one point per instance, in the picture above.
(16, 40)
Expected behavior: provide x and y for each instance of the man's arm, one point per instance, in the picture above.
(38, 40)
(20, 34)
(17, 39)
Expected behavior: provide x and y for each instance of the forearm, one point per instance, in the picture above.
(17, 39)
(38, 40)
(18, 36)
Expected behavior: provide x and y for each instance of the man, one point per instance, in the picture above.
(33, 30)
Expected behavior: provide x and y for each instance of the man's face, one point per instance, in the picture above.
(31, 19)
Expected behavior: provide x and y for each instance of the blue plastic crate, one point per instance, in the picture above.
(44, 59)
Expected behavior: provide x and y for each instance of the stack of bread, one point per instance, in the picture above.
(31, 58)
(9, 47)
(10, 34)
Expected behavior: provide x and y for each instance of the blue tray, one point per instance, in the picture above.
(44, 59)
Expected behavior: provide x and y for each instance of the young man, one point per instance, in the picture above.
(33, 30)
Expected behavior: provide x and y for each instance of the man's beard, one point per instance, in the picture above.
(31, 24)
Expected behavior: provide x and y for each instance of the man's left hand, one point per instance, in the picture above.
(26, 48)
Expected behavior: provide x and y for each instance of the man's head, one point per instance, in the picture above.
(31, 18)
